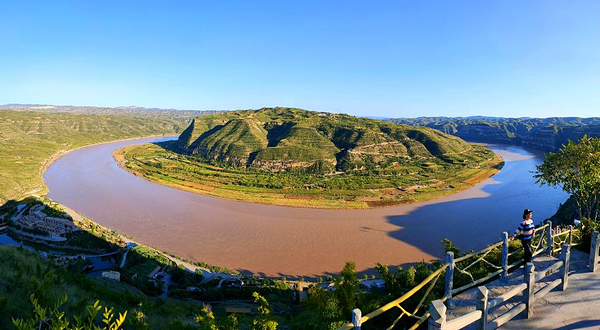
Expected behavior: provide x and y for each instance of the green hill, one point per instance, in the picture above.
(277, 139)
(301, 158)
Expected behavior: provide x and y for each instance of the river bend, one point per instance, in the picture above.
(285, 241)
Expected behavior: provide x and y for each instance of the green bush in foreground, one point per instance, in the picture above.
(53, 318)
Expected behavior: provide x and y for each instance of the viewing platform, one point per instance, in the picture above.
(492, 289)
(578, 307)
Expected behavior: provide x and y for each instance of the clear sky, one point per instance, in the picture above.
(366, 58)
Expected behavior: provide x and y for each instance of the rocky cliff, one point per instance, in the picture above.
(546, 134)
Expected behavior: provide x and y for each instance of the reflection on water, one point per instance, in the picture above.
(276, 241)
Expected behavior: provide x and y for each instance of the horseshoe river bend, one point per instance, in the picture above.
(285, 241)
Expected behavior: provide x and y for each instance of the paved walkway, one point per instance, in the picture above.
(576, 308)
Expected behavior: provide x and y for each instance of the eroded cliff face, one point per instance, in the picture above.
(544, 138)
(545, 134)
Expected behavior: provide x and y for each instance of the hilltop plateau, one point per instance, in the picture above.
(126, 111)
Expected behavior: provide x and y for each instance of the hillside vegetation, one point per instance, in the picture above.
(23, 274)
(300, 158)
(29, 140)
(282, 138)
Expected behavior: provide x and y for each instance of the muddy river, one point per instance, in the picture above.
(285, 241)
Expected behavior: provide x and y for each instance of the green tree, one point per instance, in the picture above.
(264, 319)
(230, 323)
(324, 303)
(576, 169)
(391, 280)
(206, 319)
(346, 287)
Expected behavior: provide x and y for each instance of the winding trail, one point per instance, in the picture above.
(284, 241)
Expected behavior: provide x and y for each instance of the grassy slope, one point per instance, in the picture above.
(295, 136)
(236, 140)
(28, 141)
(23, 273)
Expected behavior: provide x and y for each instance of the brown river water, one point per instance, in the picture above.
(285, 241)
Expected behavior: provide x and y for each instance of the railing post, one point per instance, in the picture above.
(593, 266)
(549, 238)
(356, 318)
(437, 318)
(482, 304)
(504, 275)
(449, 274)
(528, 295)
(565, 256)
(570, 235)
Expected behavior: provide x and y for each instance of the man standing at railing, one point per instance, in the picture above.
(525, 233)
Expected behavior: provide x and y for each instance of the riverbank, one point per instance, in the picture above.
(338, 191)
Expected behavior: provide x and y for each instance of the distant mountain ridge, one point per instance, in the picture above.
(546, 134)
(276, 139)
(132, 111)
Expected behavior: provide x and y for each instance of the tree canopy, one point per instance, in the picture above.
(576, 169)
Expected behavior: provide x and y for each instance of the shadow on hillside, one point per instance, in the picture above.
(33, 238)
(170, 145)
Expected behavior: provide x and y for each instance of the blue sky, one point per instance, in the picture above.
(367, 58)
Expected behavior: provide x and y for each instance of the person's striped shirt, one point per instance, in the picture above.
(525, 230)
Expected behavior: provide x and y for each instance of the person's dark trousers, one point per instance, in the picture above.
(527, 250)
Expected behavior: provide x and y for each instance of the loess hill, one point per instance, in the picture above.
(283, 139)
(294, 157)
